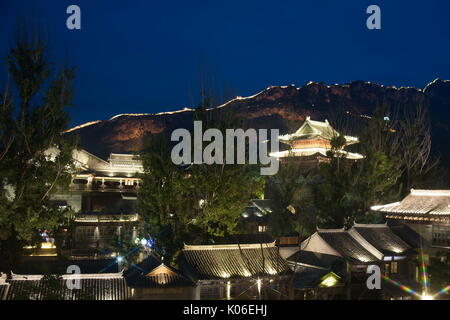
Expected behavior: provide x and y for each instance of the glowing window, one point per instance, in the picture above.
(262, 228)
(394, 267)
(330, 280)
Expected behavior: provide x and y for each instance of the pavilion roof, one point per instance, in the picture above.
(314, 259)
(153, 273)
(4, 286)
(407, 234)
(383, 239)
(232, 261)
(315, 129)
(110, 286)
(3, 290)
(347, 245)
(306, 152)
(420, 203)
(258, 209)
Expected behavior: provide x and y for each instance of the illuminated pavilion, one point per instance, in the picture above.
(312, 142)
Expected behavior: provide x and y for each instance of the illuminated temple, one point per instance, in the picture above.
(102, 195)
(311, 143)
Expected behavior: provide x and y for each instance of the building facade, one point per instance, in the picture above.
(427, 212)
(349, 253)
(103, 196)
(237, 271)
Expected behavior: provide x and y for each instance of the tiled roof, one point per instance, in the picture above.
(251, 212)
(311, 128)
(152, 273)
(93, 287)
(60, 267)
(265, 205)
(404, 232)
(430, 203)
(258, 209)
(315, 259)
(249, 239)
(3, 290)
(230, 261)
(309, 152)
(346, 245)
(383, 239)
(244, 239)
(163, 280)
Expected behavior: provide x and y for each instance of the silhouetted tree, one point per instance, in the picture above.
(35, 158)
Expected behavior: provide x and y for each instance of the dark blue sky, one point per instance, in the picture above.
(148, 56)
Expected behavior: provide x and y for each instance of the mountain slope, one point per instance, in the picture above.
(275, 107)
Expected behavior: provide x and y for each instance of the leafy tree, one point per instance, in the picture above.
(220, 192)
(194, 202)
(333, 195)
(35, 159)
(348, 188)
(127, 244)
(162, 200)
(292, 198)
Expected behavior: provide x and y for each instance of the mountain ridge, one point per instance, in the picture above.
(282, 107)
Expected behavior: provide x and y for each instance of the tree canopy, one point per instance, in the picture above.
(35, 158)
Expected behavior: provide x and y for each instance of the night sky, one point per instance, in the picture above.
(149, 56)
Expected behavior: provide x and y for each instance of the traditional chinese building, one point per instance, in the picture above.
(103, 196)
(103, 286)
(255, 218)
(317, 275)
(425, 211)
(4, 286)
(99, 279)
(237, 271)
(348, 253)
(311, 142)
(152, 279)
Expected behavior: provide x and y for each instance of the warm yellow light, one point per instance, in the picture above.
(259, 283)
(426, 297)
(47, 245)
(329, 281)
(247, 273)
(44, 245)
(271, 271)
